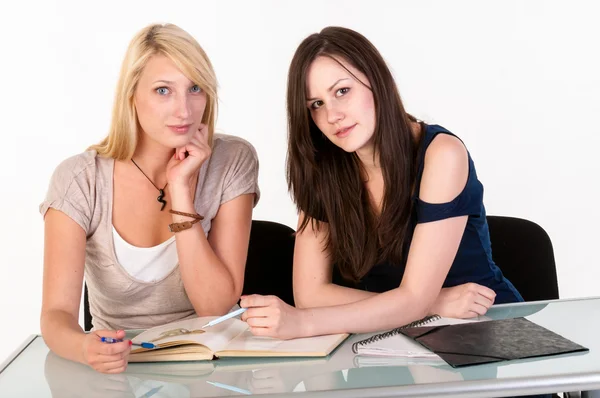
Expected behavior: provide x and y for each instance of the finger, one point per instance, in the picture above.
(194, 150)
(125, 355)
(254, 300)
(265, 332)
(197, 148)
(115, 334)
(195, 141)
(254, 312)
(202, 132)
(260, 322)
(182, 152)
(478, 309)
(202, 136)
(106, 366)
(113, 348)
(100, 358)
(483, 300)
(485, 291)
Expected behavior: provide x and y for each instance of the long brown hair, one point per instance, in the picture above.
(326, 182)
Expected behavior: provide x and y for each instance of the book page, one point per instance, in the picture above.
(246, 344)
(189, 331)
(397, 345)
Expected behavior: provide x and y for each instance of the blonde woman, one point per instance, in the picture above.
(155, 214)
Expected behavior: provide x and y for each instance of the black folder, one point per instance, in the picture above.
(491, 341)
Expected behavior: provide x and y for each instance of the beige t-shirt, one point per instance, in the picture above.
(82, 188)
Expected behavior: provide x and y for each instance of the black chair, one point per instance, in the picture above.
(268, 265)
(270, 259)
(523, 251)
(87, 316)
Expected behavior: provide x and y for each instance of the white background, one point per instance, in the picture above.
(518, 81)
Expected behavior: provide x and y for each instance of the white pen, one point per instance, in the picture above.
(224, 317)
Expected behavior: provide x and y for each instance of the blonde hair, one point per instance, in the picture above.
(181, 48)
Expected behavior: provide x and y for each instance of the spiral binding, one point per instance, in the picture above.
(393, 332)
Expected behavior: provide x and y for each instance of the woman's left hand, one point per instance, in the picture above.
(188, 159)
(464, 301)
(270, 316)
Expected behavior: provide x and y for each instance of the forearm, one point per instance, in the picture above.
(201, 269)
(383, 311)
(330, 294)
(62, 334)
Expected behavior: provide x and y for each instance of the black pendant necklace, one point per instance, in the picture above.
(161, 192)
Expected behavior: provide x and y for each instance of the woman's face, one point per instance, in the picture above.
(341, 106)
(169, 106)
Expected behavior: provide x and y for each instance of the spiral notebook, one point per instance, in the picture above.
(394, 344)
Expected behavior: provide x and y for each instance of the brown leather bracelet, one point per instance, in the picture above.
(182, 226)
(191, 215)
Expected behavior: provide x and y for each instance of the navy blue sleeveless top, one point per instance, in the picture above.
(473, 261)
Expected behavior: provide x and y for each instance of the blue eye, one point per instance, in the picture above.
(342, 91)
(195, 89)
(316, 105)
(162, 91)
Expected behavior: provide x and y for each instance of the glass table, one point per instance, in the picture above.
(35, 371)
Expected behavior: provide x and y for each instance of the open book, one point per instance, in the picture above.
(187, 341)
(394, 344)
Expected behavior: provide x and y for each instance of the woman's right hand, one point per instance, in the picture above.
(106, 357)
(271, 317)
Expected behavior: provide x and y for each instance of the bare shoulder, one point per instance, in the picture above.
(446, 169)
(446, 150)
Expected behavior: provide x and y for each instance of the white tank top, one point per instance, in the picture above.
(148, 264)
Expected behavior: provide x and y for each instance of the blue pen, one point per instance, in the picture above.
(225, 317)
(111, 340)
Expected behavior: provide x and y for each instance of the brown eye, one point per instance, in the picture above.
(316, 105)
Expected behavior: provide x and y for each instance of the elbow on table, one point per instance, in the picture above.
(422, 312)
(213, 305)
(304, 298)
(419, 305)
(301, 302)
